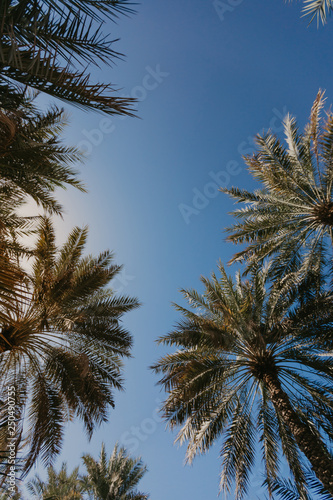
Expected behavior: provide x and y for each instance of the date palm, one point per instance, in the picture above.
(48, 44)
(33, 158)
(291, 216)
(11, 227)
(116, 478)
(62, 346)
(59, 485)
(251, 368)
(33, 163)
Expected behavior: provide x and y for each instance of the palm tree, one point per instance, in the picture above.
(116, 478)
(251, 362)
(291, 217)
(12, 226)
(62, 346)
(59, 485)
(32, 158)
(47, 45)
(33, 163)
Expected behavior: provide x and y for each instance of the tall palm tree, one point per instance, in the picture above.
(116, 478)
(251, 368)
(59, 485)
(291, 216)
(62, 347)
(33, 163)
(48, 44)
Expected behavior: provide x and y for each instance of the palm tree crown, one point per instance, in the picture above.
(33, 163)
(250, 363)
(62, 346)
(116, 478)
(292, 216)
(59, 485)
(32, 158)
(43, 42)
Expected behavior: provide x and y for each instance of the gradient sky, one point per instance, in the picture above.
(207, 82)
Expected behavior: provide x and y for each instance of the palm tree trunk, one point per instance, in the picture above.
(313, 449)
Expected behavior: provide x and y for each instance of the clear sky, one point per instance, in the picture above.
(208, 81)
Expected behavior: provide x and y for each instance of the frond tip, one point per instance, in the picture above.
(318, 9)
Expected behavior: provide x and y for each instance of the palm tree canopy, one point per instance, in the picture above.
(59, 485)
(291, 217)
(42, 43)
(237, 340)
(32, 158)
(116, 478)
(12, 226)
(33, 163)
(62, 346)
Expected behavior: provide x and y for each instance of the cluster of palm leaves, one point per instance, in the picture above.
(61, 347)
(254, 355)
(61, 336)
(113, 478)
(61, 340)
(46, 45)
(253, 365)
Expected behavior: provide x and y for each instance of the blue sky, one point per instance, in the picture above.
(207, 83)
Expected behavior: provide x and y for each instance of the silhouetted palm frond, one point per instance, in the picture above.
(42, 43)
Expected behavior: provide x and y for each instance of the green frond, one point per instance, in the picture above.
(286, 490)
(42, 43)
(46, 419)
(32, 157)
